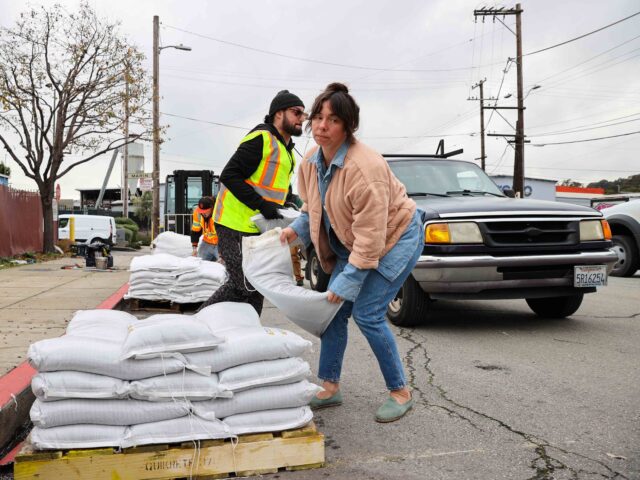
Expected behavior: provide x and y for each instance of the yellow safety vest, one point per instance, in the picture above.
(270, 180)
(208, 229)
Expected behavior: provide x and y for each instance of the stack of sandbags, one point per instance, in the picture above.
(173, 244)
(178, 279)
(113, 380)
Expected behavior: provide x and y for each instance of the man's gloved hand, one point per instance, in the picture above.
(269, 210)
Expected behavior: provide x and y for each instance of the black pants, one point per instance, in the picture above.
(236, 288)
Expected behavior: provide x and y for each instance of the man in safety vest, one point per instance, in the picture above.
(202, 225)
(255, 180)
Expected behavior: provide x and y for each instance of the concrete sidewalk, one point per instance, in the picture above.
(38, 300)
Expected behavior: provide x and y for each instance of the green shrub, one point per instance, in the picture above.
(130, 234)
(120, 221)
(145, 240)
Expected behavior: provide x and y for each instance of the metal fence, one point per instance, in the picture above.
(21, 228)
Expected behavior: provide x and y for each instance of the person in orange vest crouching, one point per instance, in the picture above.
(255, 180)
(202, 225)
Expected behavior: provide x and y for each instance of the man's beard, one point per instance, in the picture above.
(291, 128)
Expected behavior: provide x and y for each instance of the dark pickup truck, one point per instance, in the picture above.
(482, 244)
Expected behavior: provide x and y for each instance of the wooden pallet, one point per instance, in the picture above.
(255, 454)
(140, 305)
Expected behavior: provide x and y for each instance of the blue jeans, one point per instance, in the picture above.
(208, 252)
(369, 312)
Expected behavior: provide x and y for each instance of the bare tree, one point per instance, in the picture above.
(62, 92)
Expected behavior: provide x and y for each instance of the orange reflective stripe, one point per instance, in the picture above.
(272, 165)
(272, 194)
(222, 193)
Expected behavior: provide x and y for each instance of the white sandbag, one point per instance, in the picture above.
(269, 420)
(268, 372)
(273, 397)
(49, 386)
(102, 357)
(185, 385)
(103, 324)
(104, 412)
(150, 276)
(172, 243)
(146, 295)
(182, 429)
(250, 344)
(267, 265)
(213, 271)
(193, 297)
(77, 436)
(165, 262)
(264, 225)
(223, 316)
(167, 333)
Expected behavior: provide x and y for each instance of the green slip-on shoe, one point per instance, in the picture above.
(391, 410)
(333, 401)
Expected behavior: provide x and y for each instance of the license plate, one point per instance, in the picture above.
(589, 276)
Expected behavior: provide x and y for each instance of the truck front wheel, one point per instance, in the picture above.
(410, 306)
(318, 279)
(628, 260)
(555, 307)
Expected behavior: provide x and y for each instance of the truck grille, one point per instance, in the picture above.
(516, 233)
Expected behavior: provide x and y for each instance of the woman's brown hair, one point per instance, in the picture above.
(343, 105)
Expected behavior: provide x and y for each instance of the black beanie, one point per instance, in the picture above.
(284, 99)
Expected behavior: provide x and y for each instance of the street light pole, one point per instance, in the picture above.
(155, 225)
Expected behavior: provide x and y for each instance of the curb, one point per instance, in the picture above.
(16, 397)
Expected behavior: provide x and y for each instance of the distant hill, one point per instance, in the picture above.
(629, 184)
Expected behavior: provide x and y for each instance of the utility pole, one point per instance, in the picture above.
(125, 153)
(479, 85)
(155, 220)
(518, 164)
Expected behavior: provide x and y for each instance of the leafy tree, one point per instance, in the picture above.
(62, 89)
(630, 184)
(571, 183)
(4, 170)
(144, 205)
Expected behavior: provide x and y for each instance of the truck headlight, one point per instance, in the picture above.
(594, 230)
(462, 232)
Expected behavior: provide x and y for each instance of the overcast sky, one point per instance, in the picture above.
(438, 53)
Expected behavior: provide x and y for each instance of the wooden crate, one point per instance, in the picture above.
(256, 454)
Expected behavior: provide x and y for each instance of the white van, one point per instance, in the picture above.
(89, 228)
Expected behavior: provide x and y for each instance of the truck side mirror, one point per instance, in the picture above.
(509, 192)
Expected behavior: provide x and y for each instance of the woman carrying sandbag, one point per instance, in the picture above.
(366, 232)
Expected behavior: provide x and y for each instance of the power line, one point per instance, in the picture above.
(583, 129)
(585, 140)
(582, 36)
(321, 62)
(586, 61)
(588, 124)
(205, 121)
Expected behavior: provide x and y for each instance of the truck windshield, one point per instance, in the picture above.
(443, 177)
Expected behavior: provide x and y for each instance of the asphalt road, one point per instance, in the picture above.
(500, 394)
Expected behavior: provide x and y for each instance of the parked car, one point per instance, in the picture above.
(88, 228)
(481, 244)
(624, 219)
